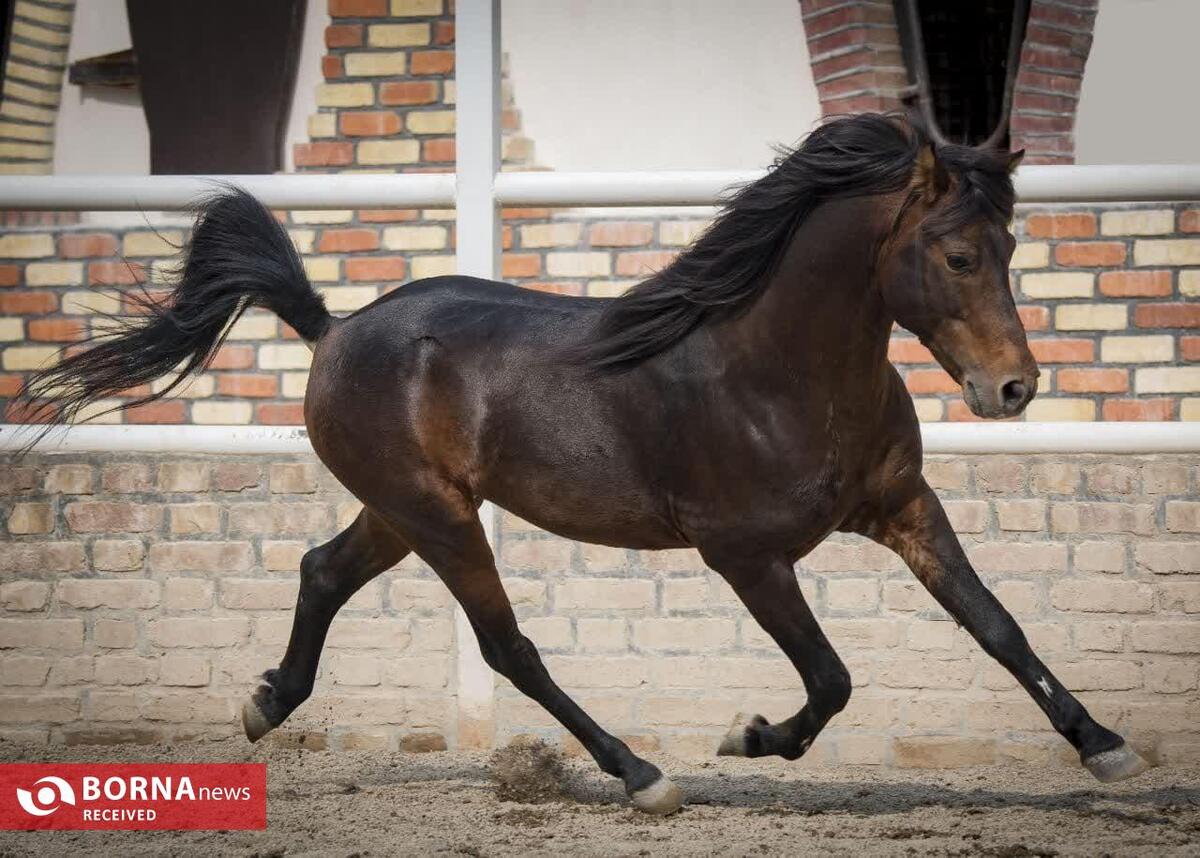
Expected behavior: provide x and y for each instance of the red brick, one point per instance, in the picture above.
(28, 412)
(55, 330)
(348, 240)
(1043, 101)
(387, 215)
(524, 214)
(1034, 318)
(10, 275)
(521, 265)
(10, 385)
(440, 150)
(343, 35)
(336, 153)
(28, 302)
(556, 287)
(1189, 221)
(233, 357)
(1034, 123)
(1051, 60)
(1135, 284)
(376, 268)
(287, 332)
(408, 92)
(1063, 350)
(279, 413)
(1167, 315)
(1139, 409)
(247, 384)
(1189, 348)
(431, 62)
(1093, 380)
(908, 351)
(643, 263)
(121, 273)
(162, 411)
(358, 8)
(331, 67)
(370, 123)
(1073, 225)
(618, 234)
(1059, 16)
(83, 244)
(1090, 254)
(930, 381)
(443, 33)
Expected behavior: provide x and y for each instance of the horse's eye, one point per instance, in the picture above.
(958, 262)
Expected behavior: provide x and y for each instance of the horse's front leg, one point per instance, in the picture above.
(769, 589)
(921, 534)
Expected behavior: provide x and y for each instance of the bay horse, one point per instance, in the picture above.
(740, 402)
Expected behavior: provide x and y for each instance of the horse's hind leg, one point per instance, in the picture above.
(329, 575)
(769, 590)
(922, 535)
(443, 528)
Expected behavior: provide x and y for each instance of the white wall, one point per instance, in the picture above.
(659, 84)
(1139, 102)
(103, 130)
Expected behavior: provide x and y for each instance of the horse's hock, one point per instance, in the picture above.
(143, 594)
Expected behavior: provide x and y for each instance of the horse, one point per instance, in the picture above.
(739, 402)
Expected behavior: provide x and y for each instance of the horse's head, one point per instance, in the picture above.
(945, 275)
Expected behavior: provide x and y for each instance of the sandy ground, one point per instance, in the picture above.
(358, 804)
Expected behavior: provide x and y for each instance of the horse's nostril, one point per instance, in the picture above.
(1013, 392)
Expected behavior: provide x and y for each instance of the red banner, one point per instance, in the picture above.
(133, 796)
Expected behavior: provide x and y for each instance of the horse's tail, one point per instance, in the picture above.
(238, 256)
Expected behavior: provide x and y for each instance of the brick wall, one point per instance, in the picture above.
(141, 595)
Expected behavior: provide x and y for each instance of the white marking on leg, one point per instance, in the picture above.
(1045, 686)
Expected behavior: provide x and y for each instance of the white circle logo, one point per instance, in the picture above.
(56, 792)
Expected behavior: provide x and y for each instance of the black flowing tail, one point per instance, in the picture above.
(239, 256)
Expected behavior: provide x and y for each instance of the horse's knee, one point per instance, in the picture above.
(317, 580)
(513, 657)
(836, 689)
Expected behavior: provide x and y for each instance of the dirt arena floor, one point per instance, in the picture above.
(360, 804)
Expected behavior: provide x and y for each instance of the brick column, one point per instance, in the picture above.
(854, 49)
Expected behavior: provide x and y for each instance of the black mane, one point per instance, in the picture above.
(729, 265)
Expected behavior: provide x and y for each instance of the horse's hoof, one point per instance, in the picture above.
(254, 722)
(1117, 764)
(660, 798)
(734, 743)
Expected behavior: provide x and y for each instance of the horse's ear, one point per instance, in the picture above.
(929, 176)
(1014, 160)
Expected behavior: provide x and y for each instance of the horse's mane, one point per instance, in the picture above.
(730, 264)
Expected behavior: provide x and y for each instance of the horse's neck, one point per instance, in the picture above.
(822, 313)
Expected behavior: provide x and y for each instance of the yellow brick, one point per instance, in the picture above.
(256, 327)
(1059, 410)
(100, 411)
(389, 152)
(1189, 409)
(1035, 254)
(41, 133)
(1168, 379)
(16, 110)
(320, 216)
(45, 56)
(341, 299)
(1189, 284)
(578, 264)
(196, 387)
(30, 93)
(18, 245)
(376, 65)
(609, 288)
(165, 243)
(1173, 251)
(397, 35)
(221, 413)
(54, 274)
(26, 151)
(33, 74)
(303, 239)
(29, 357)
(431, 121)
(415, 8)
(432, 266)
(322, 125)
(1059, 284)
(84, 303)
(40, 35)
(322, 269)
(415, 237)
(345, 95)
(294, 384)
(551, 235)
(449, 92)
(516, 149)
(284, 356)
(1150, 349)
(929, 410)
(1156, 222)
(26, 168)
(12, 329)
(44, 14)
(1091, 317)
